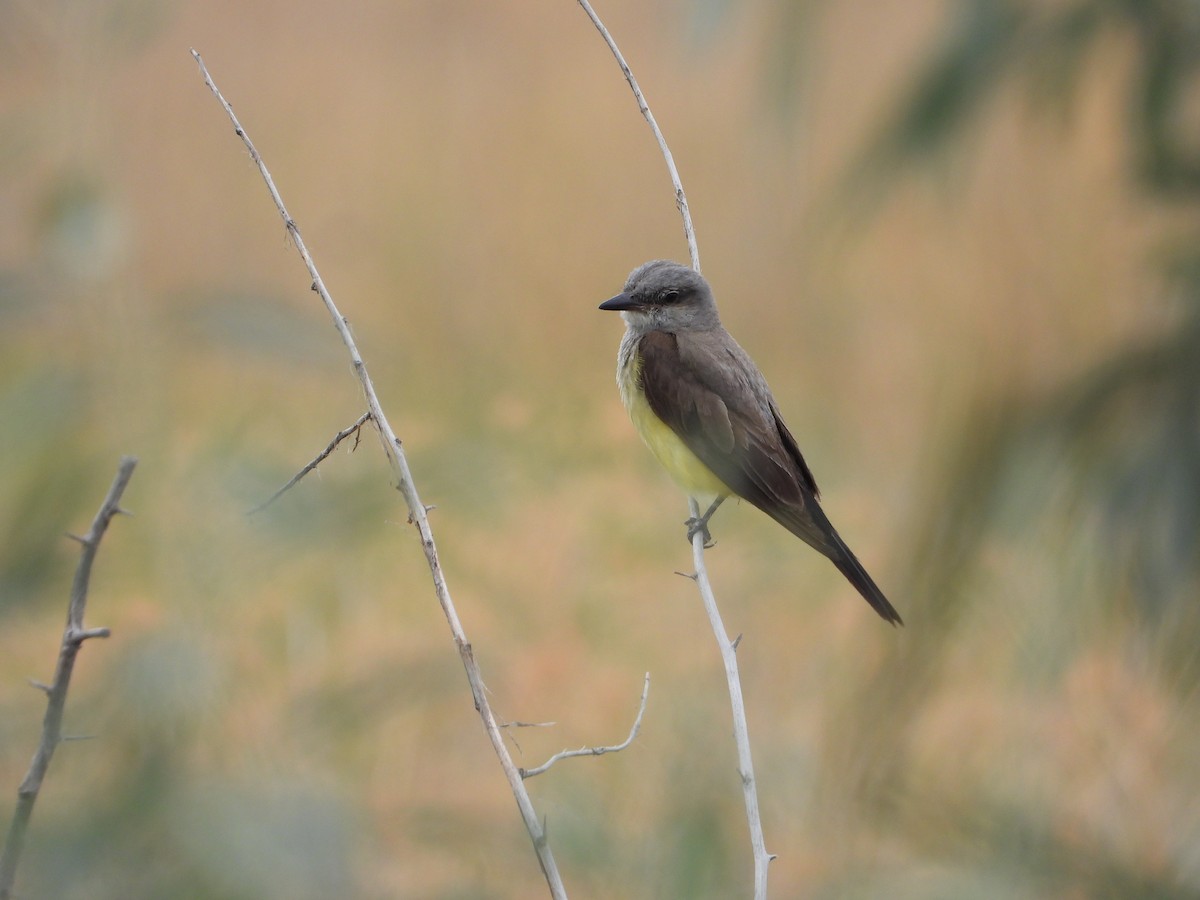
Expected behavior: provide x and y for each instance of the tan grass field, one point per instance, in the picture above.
(280, 711)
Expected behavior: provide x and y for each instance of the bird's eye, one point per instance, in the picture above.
(669, 296)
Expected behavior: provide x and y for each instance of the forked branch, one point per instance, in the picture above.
(74, 635)
(417, 514)
(597, 751)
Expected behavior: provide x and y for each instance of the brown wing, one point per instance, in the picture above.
(712, 395)
(724, 415)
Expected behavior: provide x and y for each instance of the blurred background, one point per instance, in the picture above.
(959, 237)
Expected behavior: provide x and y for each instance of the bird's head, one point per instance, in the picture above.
(662, 295)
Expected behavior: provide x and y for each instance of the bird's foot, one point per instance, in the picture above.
(699, 526)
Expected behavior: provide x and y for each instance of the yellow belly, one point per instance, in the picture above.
(693, 476)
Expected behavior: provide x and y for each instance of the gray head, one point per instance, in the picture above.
(662, 295)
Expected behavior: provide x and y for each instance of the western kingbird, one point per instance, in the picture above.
(704, 409)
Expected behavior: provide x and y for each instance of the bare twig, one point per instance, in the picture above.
(727, 648)
(741, 733)
(689, 232)
(417, 512)
(354, 429)
(597, 751)
(511, 728)
(74, 635)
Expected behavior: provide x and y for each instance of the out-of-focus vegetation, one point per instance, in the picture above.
(1092, 477)
(957, 237)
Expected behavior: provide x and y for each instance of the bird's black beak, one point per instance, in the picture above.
(619, 302)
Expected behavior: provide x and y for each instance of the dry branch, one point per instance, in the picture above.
(74, 635)
(728, 648)
(689, 231)
(417, 514)
(597, 751)
(355, 429)
(741, 733)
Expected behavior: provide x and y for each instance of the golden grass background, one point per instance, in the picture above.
(280, 711)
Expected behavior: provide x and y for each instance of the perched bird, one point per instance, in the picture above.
(704, 409)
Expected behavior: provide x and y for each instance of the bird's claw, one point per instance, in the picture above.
(699, 525)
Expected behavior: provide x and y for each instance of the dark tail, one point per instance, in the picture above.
(808, 522)
(849, 566)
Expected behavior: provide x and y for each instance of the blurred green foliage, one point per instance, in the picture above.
(1097, 476)
(1047, 45)
(1115, 452)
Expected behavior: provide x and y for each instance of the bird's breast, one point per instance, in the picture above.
(684, 467)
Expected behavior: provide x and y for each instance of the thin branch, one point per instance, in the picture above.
(417, 511)
(74, 635)
(727, 648)
(689, 232)
(89, 633)
(741, 733)
(355, 429)
(511, 734)
(597, 751)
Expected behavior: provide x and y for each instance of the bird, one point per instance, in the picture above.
(704, 409)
